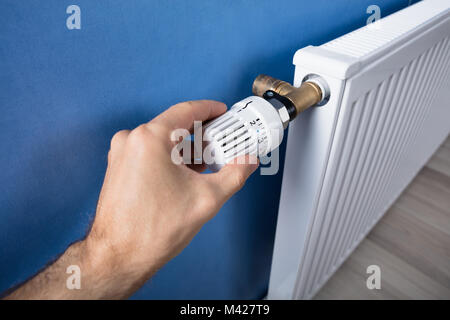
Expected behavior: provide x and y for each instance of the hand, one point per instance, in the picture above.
(149, 209)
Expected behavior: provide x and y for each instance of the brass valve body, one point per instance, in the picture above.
(303, 97)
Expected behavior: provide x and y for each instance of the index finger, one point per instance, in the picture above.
(183, 115)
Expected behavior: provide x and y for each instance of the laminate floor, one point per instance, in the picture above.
(410, 244)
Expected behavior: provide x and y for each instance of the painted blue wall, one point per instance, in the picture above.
(64, 93)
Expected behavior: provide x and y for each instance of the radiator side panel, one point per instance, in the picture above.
(384, 120)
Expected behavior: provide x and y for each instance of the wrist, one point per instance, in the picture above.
(97, 258)
(112, 271)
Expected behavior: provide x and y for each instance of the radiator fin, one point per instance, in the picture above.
(376, 136)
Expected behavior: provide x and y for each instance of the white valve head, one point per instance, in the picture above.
(251, 126)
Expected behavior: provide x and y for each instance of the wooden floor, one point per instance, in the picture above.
(410, 244)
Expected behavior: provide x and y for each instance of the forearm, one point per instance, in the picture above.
(102, 277)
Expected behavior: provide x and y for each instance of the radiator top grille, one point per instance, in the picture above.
(363, 41)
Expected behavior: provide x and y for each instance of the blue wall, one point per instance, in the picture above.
(64, 93)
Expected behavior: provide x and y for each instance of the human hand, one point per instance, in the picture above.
(150, 208)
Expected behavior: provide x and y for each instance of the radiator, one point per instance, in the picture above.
(348, 160)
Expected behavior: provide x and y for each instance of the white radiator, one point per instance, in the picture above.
(349, 160)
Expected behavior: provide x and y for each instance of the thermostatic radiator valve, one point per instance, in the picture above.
(256, 124)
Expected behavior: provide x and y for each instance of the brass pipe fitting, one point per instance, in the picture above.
(303, 97)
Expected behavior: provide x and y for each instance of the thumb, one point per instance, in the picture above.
(231, 178)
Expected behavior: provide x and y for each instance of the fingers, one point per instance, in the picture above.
(183, 115)
(232, 177)
(117, 144)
